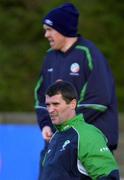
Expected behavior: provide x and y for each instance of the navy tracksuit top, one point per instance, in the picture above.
(86, 67)
(71, 156)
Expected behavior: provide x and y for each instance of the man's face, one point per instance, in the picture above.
(59, 110)
(56, 40)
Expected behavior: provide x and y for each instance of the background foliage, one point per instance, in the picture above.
(22, 44)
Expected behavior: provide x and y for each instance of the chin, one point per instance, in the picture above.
(55, 123)
(55, 47)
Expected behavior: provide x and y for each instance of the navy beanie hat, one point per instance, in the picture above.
(63, 19)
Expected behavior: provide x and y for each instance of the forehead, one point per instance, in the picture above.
(55, 98)
(47, 27)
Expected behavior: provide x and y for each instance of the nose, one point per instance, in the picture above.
(51, 109)
(46, 35)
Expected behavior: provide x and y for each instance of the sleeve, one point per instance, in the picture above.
(98, 90)
(42, 115)
(96, 157)
(113, 175)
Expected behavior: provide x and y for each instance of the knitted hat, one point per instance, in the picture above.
(63, 19)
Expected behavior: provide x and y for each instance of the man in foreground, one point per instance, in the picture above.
(77, 150)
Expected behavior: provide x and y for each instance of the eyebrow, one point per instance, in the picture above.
(54, 103)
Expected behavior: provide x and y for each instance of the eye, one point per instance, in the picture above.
(47, 104)
(56, 104)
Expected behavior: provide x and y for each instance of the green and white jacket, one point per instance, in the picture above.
(79, 151)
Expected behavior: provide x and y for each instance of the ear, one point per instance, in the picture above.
(73, 104)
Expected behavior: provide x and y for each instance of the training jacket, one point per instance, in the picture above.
(79, 151)
(86, 68)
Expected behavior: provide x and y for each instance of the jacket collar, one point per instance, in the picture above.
(69, 123)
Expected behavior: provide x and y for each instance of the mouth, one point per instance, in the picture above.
(51, 42)
(53, 117)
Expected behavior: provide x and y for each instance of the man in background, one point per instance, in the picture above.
(77, 60)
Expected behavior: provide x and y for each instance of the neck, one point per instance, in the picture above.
(73, 114)
(68, 43)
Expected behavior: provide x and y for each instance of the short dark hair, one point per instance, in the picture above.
(66, 89)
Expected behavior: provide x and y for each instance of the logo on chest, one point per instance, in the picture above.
(64, 145)
(50, 70)
(74, 69)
